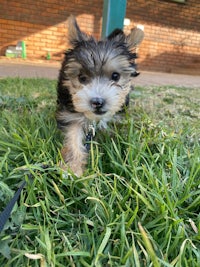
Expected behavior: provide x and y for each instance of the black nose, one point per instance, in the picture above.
(97, 103)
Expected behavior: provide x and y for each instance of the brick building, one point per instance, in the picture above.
(172, 30)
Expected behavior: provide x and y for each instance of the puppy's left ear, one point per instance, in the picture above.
(75, 35)
(134, 38)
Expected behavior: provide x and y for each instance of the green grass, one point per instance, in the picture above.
(138, 203)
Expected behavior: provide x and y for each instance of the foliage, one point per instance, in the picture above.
(137, 204)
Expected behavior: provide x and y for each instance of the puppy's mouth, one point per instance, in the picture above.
(99, 112)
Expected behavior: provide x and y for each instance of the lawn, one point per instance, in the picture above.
(138, 203)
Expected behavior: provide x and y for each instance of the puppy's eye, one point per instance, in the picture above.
(115, 76)
(82, 78)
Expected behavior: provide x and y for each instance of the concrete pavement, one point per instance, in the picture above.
(51, 69)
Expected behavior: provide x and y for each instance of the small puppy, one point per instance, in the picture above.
(93, 85)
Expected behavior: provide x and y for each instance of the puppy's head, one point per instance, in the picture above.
(97, 74)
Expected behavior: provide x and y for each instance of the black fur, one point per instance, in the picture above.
(64, 98)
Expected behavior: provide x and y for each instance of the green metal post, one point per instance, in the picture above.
(23, 50)
(114, 12)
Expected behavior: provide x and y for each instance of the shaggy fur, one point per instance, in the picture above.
(93, 85)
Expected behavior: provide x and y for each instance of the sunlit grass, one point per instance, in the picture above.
(138, 202)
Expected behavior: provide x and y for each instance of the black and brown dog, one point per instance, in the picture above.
(94, 84)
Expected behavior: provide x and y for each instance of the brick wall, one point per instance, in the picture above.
(172, 31)
(172, 34)
(43, 24)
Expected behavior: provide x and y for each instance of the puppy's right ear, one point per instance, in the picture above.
(135, 37)
(75, 35)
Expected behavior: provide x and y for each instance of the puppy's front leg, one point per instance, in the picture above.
(73, 151)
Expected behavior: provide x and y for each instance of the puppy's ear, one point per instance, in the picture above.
(75, 35)
(135, 37)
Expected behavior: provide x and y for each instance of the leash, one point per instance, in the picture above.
(5, 214)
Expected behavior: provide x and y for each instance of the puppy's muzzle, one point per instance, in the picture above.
(97, 105)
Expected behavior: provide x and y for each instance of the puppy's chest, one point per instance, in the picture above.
(93, 127)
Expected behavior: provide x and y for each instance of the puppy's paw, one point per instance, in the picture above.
(72, 167)
(77, 170)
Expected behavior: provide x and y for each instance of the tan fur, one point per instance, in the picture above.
(117, 64)
(73, 68)
(73, 151)
(74, 31)
(135, 37)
